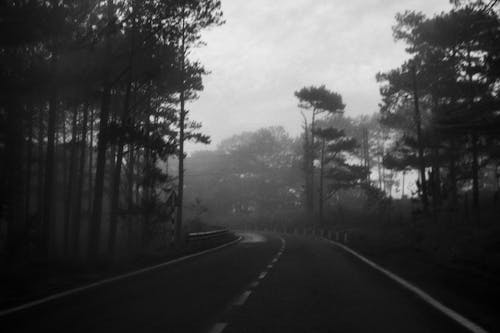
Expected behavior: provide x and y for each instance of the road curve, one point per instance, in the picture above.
(265, 283)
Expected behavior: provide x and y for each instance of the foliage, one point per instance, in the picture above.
(453, 71)
(109, 73)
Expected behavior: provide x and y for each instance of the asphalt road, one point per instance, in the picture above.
(263, 284)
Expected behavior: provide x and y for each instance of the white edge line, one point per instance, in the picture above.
(262, 275)
(242, 298)
(112, 279)
(218, 328)
(417, 291)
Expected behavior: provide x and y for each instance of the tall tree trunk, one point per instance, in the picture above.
(307, 184)
(29, 160)
(95, 221)
(436, 182)
(418, 122)
(475, 148)
(64, 149)
(321, 181)
(452, 176)
(146, 198)
(68, 207)
(130, 177)
(366, 154)
(311, 161)
(14, 181)
(91, 162)
(115, 189)
(48, 201)
(182, 116)
(77, 215)
(40, 166)
(436, 179)
(475, 175)
(380, 176)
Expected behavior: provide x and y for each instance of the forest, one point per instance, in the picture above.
(93, 103)
(94, 117)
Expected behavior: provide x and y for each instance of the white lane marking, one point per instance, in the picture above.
(274, 260)
(110, 280)
(242, 299)
(254, 284)
(269, 266)
(262, 275)
(471, 326)
(218, 328)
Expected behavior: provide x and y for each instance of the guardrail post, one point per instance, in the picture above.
(345, 238)
(337, 236)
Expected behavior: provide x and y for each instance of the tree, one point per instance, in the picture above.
(453, 69)
(102, 142)
(193, 16)
(109, 73)
(318, 100)
(336, 149)
(250, 174)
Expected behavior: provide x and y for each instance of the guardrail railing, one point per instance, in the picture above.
(206, 235)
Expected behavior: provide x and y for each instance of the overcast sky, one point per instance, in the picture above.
(270, 48)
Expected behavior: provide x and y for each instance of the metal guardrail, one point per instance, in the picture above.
(206, 235)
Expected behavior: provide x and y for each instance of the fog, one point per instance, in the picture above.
(267, 50)
(249, 166)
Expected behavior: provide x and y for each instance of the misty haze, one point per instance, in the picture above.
(254, 166)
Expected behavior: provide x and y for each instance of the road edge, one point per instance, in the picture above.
(76, 290)
(463, 321)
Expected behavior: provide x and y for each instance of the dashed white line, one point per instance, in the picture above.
(218, 328)
(254, 284)
(243, 298)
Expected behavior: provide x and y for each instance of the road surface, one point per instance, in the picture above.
(265, 283)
